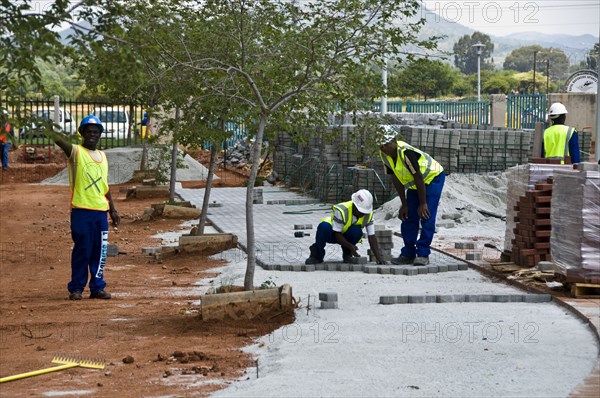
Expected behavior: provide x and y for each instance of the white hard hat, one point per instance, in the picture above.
(363, 200)
(557, 109)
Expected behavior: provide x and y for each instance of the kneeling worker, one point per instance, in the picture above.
(345, 227)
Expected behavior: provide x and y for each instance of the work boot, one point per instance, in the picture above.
(100, 294)
(75, 295)
(402, 260)
(421, 260)
(314, 257)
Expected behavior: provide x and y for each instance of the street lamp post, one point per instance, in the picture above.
(478, 47)
(534, 61)
(548, 76)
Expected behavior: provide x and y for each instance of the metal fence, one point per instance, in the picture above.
(122, 122)
(392, 106)
(525, 110)
(469, 112)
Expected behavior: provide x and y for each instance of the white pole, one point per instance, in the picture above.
(56, 109)
(479, 76)
(598, 118)
(383, 109)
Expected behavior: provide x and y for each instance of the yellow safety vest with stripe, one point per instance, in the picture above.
(429, 167)
(346, 209)
(88, 179)
(556, 141)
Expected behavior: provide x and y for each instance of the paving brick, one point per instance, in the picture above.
(358, 260)
(112, 250)
(308, 268)
(502, 298)
(472, 256)
(387, 300)
(285, 267)
(487, 298)
(537, 298)
(370, 269)
(452, 267)
(383, 270)
(422, 270)
(464, 245)
(397, 270)
(451, 298)
(517, 298)
(421, 299)
(321, 267)
(473, 298)
(328, 296)
(442, 268)
(331, 267)
(329, 306)
(357, 267)
(432, 269)
(150, 250)
(343, 267)
(401, 299)
(463, 266)
(412, 271)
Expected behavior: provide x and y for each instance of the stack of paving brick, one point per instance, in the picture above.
(576, 224)
(519, 180)
(329, 300)
(257, 196)
(490, 150)
(385, 242)
(442, 144)
(531, 243)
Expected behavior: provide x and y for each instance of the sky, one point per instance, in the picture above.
(503, 17)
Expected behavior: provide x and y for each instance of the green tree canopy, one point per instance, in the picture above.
(423, 77)
(465, 55)
(521, 60)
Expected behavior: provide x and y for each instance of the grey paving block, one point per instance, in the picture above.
(321, 267)
(387, 300)
(537, 298)
(398, 270)
(268, 267)
(452, 267)
(517, 298)
(331, 267)
(487, 298)
(411, 271)
(329, 306)
(442, 268)
(502, 298)
(464, 245)
(150, 250)
(546, 266)
(421, 269)
(383, 270)
(451, 298)
(401, 299)
(463, 266)
(421, 299)
(343, 267)
(357, 267)
(328, 296)
(473, 256)
(296, 268)
(308, 268)
(370, 269)
(473, 298)
(285, 267)
(432, 269)
(358, 260)
(112, 250)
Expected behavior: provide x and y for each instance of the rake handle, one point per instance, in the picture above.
(38, 372)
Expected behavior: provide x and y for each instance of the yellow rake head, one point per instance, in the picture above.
(79, 361)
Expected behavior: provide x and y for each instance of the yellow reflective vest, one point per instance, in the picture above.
(429, 167)
(88, 179)
(346, 209)
(556, 141)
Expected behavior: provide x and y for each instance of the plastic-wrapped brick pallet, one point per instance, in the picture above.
(520, 179)
(575, 240)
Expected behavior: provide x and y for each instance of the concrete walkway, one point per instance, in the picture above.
(363, 348)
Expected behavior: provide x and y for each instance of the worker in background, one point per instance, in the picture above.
(90, 202)
(345, 228)
(419, 180)
(7, 136)
(560, 141)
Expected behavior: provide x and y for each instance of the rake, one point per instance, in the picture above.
(65, 361)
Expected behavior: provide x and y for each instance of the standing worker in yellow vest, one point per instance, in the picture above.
(560, 141)
(345, 228)
(417, 173)
(90, 202)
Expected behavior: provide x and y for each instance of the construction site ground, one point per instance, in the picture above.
(152, 337)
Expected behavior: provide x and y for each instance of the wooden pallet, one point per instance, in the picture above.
(585, 290)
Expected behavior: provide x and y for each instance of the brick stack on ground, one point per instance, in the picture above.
(329, 300)
(576, 224)
(385, 242)
(531, 243)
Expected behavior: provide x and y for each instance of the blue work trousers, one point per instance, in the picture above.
(89, 230)
(4, 148)
(325, 235)
(410, 227)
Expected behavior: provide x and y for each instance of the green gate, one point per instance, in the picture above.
(468, 112)
(525, 110)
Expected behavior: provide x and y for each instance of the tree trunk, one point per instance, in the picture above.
(255, 159)
(209, 179)
(173, 163)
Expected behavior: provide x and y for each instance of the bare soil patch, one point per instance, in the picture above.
(152, 321)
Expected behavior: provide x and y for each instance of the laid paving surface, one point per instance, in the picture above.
(275, 226)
